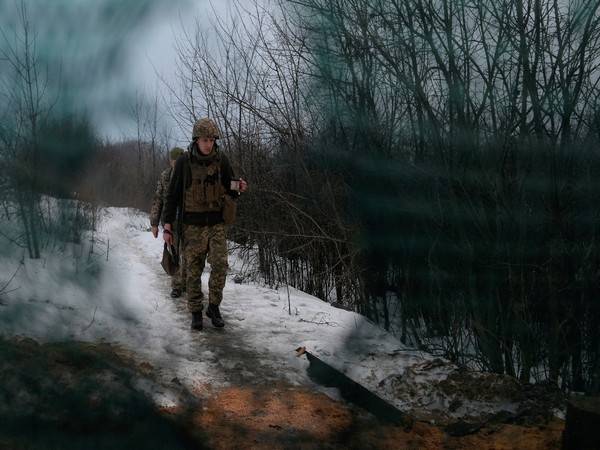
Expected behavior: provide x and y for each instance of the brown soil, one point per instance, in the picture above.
(77, 395)
(284, 417)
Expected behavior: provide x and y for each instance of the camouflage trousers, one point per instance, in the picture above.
(199, 241)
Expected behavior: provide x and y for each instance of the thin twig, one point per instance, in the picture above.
(93, 318)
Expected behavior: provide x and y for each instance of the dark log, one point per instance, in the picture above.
(353, 392)
(582, 424)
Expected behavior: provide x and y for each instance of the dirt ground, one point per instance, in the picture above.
(284, 417)
(84, 396)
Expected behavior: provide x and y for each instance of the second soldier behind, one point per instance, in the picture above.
(156, 210)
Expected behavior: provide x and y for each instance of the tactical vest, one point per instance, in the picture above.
(205, 194)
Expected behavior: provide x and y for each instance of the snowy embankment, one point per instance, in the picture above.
(111, 288)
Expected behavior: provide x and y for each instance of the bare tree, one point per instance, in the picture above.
(27, 102)
(152, 144)
(481, 156)
(428, 162)
(250, 72)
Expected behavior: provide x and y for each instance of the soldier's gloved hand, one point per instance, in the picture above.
(168, 237)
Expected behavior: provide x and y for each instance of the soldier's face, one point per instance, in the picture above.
(205, 144)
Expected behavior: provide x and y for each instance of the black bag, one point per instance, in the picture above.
(170, 260)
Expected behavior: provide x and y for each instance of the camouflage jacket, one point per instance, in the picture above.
(158, 201)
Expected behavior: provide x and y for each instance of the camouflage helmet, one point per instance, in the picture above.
(205, 128)
(175, 152)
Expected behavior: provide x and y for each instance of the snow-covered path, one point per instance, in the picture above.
(257, 344)
(119, 294)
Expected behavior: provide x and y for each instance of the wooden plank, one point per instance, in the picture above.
(354, 392)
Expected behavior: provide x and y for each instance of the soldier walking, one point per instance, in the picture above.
(203, 190)
(178, 280)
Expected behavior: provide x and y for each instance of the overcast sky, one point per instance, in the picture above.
(106, 50)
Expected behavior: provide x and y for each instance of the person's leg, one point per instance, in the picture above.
(177, 279)
(195, 254)
(219, 267)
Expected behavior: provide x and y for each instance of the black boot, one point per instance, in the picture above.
(197, 320)
(215, 316)
(176, 293)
